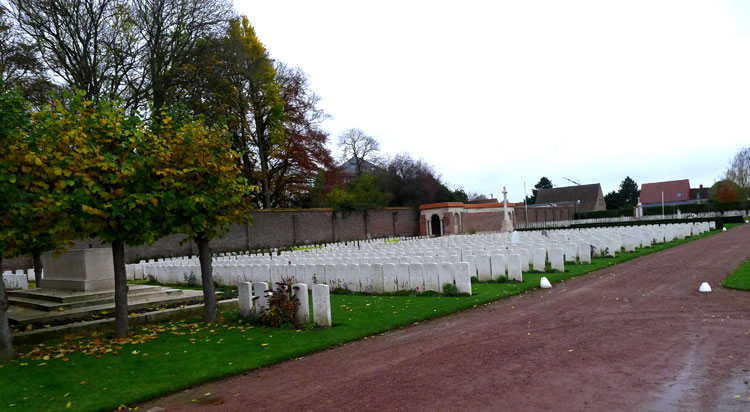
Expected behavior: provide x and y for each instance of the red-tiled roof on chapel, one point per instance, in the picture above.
(674, 191)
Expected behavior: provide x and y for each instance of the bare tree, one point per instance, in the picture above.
(86, 44)
(739, 169)
(168, 31)
(19, 66)
(358, 147)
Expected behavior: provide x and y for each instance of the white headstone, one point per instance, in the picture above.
(245, 299)
(402, 276)
(539, 259)
(365, 277)
(390, 280)
(463, 280)
(497, 264)
(571, 252)
(416, 276)
(446, 274)
(584, 252)
(260, 298)
(484, 272)
(321, 306)
(515, 238)
(514, 267)
(431, 279)
(377, 278)
(302, 316)
(556, 259)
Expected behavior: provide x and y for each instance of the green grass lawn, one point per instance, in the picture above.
(740, 279)
(96, 373)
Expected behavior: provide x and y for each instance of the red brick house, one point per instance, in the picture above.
(676, 192)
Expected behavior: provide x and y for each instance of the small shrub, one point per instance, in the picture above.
(449, 289)
(281, 306)
(502, 279)
(473, 232)
(190, 279)
(338, 290)
(474, 279)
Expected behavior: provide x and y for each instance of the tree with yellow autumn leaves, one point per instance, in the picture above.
(87, 169)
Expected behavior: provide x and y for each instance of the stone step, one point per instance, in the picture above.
(94, 300)
(64, 296)
(23, 316)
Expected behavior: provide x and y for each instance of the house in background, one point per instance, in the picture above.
(582, 198)
(676, 192)
(348, 170)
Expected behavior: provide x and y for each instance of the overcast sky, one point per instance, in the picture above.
(497, 93)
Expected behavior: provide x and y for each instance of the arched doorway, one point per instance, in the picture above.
(435, 225)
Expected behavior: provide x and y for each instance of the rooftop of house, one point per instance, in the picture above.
(674, 191)
(588, 195)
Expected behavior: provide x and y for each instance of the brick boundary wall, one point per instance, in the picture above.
(274, 228)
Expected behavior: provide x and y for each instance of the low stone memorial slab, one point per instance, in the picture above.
(80, 270)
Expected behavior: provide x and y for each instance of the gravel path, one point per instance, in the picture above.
(631, 337)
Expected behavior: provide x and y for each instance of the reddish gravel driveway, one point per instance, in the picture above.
(636, 336)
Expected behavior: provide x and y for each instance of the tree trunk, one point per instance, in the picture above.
(121, 290)
(209, 295)
(37, 269)
(263, 155)
(6, 338)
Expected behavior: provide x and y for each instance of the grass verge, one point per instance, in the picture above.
(97, 373)
(740, 279)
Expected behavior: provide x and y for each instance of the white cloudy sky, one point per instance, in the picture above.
(495, 93)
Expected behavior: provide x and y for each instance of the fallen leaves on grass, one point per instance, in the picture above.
(96, 345)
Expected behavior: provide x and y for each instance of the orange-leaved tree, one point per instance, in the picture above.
(203, 190)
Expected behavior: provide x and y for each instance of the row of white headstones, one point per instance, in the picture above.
(18, 280)
(422, 264)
